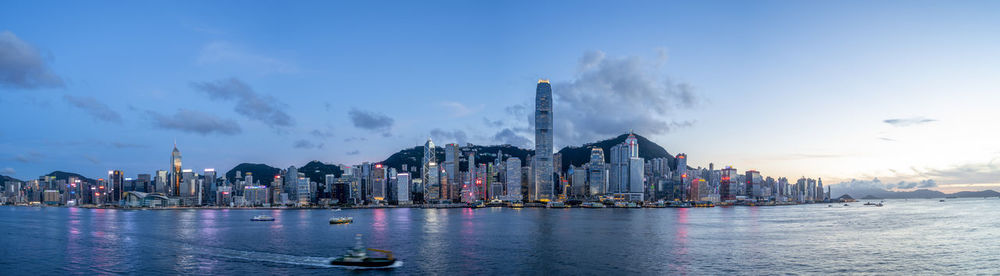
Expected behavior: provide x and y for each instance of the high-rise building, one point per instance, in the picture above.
(402, 188)
(162, 182)
(597, 176)
(208, 188)
(513, 178)
(451, 167)
(175, 171)
(379, 182)
(728, 184)
(428, 158)
(635, 176)
(432, 183)
(116, 181)
(543, 169)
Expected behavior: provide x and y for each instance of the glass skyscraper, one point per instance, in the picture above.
(543, 141)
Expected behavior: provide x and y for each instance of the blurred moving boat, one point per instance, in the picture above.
(358, 257)
(341, 220)
(262, 218)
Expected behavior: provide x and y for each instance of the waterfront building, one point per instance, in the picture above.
(542, 165)
(513, 178)
(175, 171)
(402, 188)
(378, 182)
(428, 158)
(754, 185)
(728, 184)
(302, 190)
(208, 186)
(432, 183)
(597, 172)
(116, 183)
(451, 168)
(578, 181)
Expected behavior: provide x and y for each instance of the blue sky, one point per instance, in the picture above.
(904, 91)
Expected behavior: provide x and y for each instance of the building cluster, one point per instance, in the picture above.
(619, 175)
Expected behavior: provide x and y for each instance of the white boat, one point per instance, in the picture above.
(262, 218)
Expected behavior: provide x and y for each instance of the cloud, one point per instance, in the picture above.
(92, 159)
(321, 134)
(353, 152)
(96, 109)
(195, 122)
(370, 120)
(8, 171)
(122, 145)
(457, 136)
(21, 66)
(249, 103)
(508, 136)
(458, 109)
(905, 122)
(306, 144)
(30, 157)
(610, 96)
(353, 139)
(225, 53)
(492, 123)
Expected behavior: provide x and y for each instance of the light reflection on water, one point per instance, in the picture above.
(956, 237)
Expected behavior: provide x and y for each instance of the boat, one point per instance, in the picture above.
(846, 205)
(262, 218)
(941, 200)
(358, 257)
(336, 210)
(341, 220)
(517, 204)
(556, 204)
(592, 205)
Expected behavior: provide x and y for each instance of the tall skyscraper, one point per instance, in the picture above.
(116, 179)
(451, 166)
(429, 158)
(175, 171)
(513, 178)
(543, 169)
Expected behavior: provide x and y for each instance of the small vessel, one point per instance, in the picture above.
(556, 204)
(846, 205)
(941, 200)
(517, 204)
(830, 205)
(358, 257)
(336, 210)
(262, 218)
(592, 205)
(341, 220)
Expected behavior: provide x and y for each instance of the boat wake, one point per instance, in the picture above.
(323, 262)
(395, 265)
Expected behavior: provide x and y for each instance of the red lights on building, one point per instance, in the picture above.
(378, 166)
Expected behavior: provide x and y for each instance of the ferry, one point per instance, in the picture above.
(358, 257)
(262, 218)
(556, 204)
(592, 205)
(341, 220)
(517, 204)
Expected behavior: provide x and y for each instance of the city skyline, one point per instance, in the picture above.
(231, 90)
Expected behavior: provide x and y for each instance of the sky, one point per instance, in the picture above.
(900, 94)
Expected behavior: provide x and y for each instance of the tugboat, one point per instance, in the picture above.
(262, 218)
(341, 220)
(358, 257)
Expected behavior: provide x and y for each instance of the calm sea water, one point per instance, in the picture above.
(960, 236)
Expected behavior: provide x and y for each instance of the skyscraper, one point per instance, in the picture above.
(175, 171)
(597, 177)
(428, 159)
(543, 141)
(451, 166)
(513, 178)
